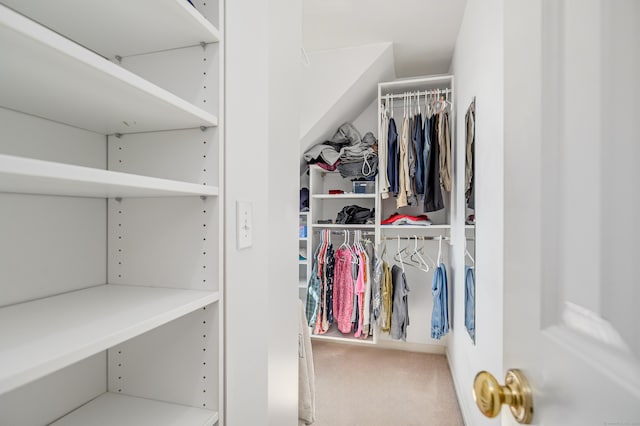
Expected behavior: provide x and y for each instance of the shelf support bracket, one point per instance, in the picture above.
(203, 45)
(118, 199)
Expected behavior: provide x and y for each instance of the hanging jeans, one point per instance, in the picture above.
(440, 314)
(470, 301)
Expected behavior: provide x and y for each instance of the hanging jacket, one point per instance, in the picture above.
(433, 193)
(418, 145)
(383, 156)
(392, 157)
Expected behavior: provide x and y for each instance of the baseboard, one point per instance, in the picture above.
(464, 409)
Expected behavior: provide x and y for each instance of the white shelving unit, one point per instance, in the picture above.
(113, 409)
(112, 219)
(29, 176)
(86, 322)
(175, 24)
(98, 95)
(343, 196)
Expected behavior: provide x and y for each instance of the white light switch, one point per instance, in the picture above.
(244, 223)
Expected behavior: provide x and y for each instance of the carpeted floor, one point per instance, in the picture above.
(366, 386)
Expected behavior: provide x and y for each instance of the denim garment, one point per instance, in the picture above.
(392, 155)
(418, 143)
(440, 314)
(470, 301)
(313, 292)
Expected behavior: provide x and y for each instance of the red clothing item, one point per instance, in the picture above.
(405, 219)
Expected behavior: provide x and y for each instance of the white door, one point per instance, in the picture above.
(572, 208)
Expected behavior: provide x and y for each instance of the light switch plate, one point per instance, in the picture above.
(244, 224)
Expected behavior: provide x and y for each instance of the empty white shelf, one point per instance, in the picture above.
(122, 27)
(29, 176)
(114, 409)
(49, 76)
(343, 196)
(58, 331)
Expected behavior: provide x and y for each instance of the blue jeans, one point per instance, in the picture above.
(470, 301)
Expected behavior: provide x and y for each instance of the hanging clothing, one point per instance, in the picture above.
(376, 289)
(418, 146)
(313, 292)
(369, 292)
(404, 190)
(306, 375)
(400, 314)
(433, 200)
(387, 298)
(444, 141)
(470, 124)
(470, 301)
(411, 169)
(343, 290)
(360, 290)
(392, 157)
(383, 156)
(440, 314)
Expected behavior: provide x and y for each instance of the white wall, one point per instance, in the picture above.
(478, 70)
(262, 66)
(339, 83)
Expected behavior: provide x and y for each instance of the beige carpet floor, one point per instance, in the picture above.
(366, 386)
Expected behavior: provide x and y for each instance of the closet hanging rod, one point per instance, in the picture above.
(430, 92)
(350, 230)
(412, 238)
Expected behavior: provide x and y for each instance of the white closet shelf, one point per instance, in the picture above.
(341, 226)
(115, 409)
(60, 330)
(412, 227)
(29, 176)
(334, 335)
(49, 76)
(122, 27)
(343, 196)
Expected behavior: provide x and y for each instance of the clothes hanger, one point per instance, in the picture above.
(440, 250)
(420, 263)
(466, 252)
(399, 255)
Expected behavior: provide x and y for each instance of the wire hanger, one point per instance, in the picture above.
(466, 252)
(400, 255)
(420, 263)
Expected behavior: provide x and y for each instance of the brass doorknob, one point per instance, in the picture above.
(490, 395)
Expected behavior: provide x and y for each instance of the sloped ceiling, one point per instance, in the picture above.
(423, 32)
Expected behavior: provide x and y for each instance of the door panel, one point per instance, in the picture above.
(578, 151)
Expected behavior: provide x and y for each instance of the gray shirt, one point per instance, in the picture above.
(400, 314)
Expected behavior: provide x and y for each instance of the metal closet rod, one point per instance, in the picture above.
(349, 230)
(389, 238)
(413, 93)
